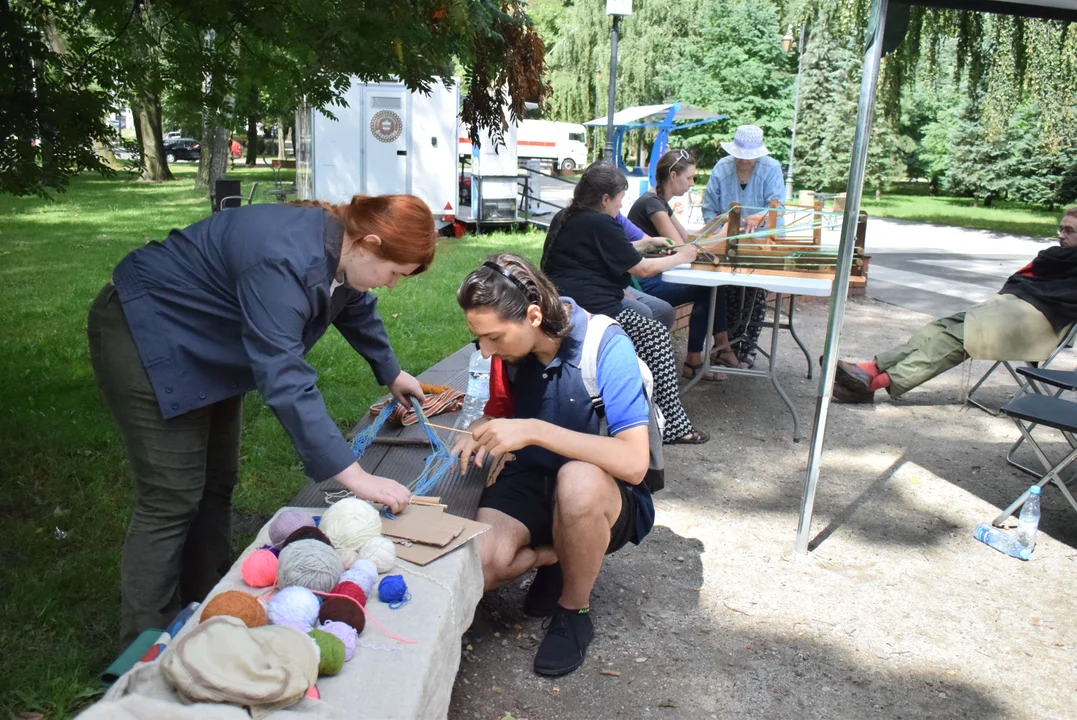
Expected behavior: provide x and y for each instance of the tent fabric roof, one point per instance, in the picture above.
(1049, 9)
(642, 113)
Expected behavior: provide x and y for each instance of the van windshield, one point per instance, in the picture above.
(578, 137)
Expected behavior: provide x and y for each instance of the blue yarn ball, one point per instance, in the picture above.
(393, 590)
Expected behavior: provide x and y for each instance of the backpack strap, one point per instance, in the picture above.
(592, 343)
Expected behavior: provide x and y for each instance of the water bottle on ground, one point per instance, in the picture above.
(1029, 519)
(1001, 541)
(478, 390)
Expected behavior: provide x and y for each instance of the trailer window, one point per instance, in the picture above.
(385, 102)
(578, 137)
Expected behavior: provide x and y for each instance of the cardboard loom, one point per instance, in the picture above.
(423, 532)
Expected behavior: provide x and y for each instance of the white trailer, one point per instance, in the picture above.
(388, 140)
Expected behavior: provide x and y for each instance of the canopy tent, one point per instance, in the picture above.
(653, 116)
(886, 29)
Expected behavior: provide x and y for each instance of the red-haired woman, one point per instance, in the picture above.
(228, 305)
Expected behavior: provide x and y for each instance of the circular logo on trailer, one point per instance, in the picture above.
(386, 126)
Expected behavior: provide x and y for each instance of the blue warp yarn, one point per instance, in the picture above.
(393, 590)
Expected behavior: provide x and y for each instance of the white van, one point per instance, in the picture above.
(563, 144)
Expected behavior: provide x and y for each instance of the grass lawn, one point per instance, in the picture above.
(1003, 217)
(67, 493)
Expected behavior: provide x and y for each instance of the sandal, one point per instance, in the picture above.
(709, 376)
(722, 358)
(696, 437)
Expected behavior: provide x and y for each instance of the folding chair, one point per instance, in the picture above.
(1022, 386)
(237, 200)
(1038, 382)
(1048, 411)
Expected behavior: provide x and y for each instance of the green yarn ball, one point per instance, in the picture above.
(331, 651)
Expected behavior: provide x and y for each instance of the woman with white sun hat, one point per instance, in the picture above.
(749, 176)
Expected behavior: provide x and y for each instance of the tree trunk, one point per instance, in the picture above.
(136, 116)
(280, 139)
(151, 139)
(252, 141)
(878, 194)
(213, 162)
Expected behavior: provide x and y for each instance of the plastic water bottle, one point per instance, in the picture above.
(1002, 541)
(478, 390)
(1029, 519)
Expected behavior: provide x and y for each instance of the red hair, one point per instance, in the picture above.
(403, 222)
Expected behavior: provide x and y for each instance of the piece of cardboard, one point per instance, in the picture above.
(426, 554)
(423, 524)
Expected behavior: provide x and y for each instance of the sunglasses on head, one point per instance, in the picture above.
(681, 155)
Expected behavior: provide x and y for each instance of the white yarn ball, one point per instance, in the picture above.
(295, 607)
(347, 557)
(381, 550)
(363, 573)
(350, 522)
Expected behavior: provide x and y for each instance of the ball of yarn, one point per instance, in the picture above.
(260, 569)
(345, 610)
(393, 590)
(271, 548)
(364, 574)
(346, 633)
(346, 587)
(237, 604)
(381, 551)
(286, 523)
(347, 557)
(351, 522)
(307, 532)
(310, 564)
(295, 607)
(331, 652)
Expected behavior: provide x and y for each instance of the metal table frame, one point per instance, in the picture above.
(781, 287)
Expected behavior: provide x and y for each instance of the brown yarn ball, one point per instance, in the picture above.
(343, 610)
(237, 604)
(307, 532)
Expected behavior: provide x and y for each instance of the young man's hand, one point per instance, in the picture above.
(500, 436)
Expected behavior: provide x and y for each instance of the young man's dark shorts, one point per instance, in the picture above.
(528, 496)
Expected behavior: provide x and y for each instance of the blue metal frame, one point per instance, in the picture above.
(661, 142)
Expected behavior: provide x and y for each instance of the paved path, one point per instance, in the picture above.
(938, 269)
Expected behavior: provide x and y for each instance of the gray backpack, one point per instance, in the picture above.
(655, 479)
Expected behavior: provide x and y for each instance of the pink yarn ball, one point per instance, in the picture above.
(286, 523)
(260, 569)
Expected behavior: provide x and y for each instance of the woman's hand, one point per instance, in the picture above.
(657, 243)
(377, 489)
(405, 385)
(688, 252)
(752, 222)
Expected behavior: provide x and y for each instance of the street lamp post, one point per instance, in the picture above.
(787, 44)
(616, 8)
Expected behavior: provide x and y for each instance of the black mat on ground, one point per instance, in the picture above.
(460, 492)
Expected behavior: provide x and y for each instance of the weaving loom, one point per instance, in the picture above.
(793, 250)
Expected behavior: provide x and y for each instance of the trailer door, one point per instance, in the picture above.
(386, 140)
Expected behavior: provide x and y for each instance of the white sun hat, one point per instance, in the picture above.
(747, 143)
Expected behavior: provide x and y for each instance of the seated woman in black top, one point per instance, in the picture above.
(589, 259)
(652, 214)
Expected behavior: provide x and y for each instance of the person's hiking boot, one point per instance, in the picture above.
(844, 396)
(545, 591)
(853, 377)
(568, 633)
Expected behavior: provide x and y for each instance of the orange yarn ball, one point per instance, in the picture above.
(237, 604)
(260, 569)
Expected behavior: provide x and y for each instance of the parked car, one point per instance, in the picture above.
(172, 134)
(182, 149)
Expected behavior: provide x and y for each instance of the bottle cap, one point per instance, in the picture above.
(1025, 553)
(1035, 490)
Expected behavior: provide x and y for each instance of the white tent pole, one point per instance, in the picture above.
(840, 291)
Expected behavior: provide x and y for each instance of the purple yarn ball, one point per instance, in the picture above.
(286, 523)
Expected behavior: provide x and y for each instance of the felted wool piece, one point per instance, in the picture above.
(259, 570)
(237, 604)
(331, 652)
(350, 522)
(307, 532)
(343, 610)
(286, 523)
(247, 666)
(381, 551)
(346, 633)
(295, 607)
(310, 564)
(347, 557)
